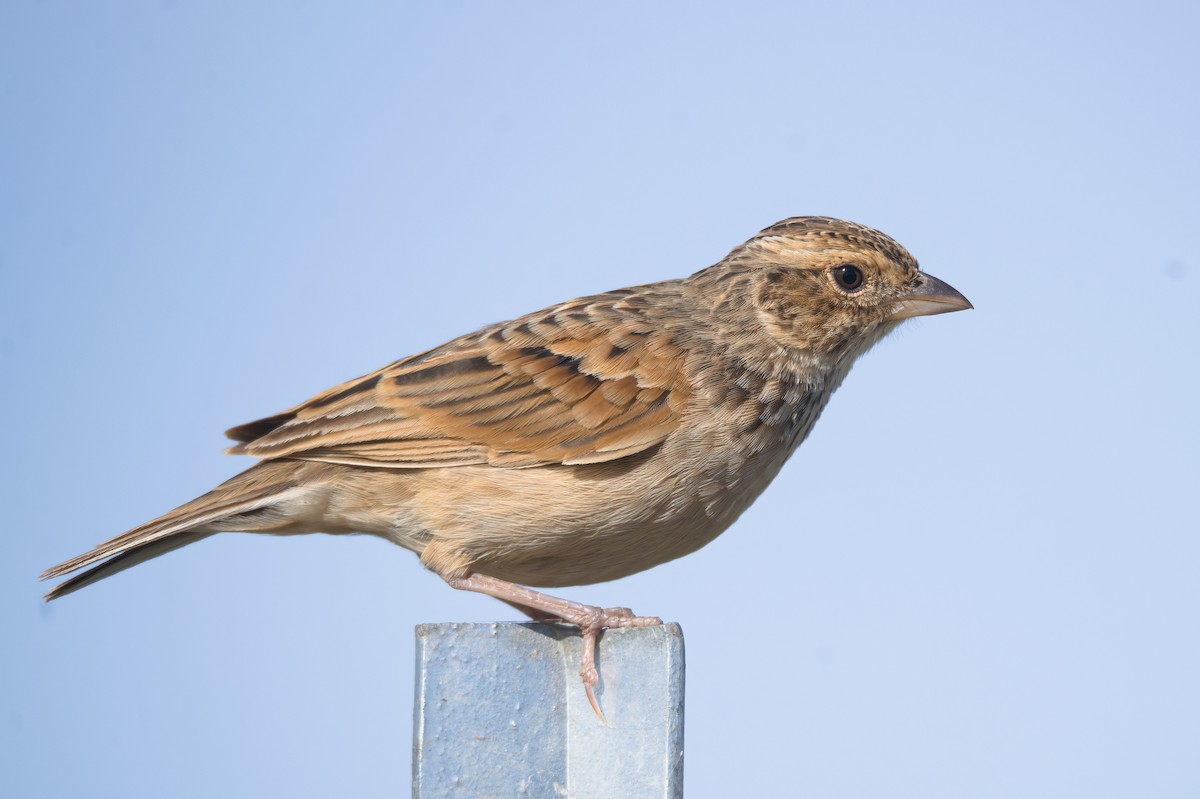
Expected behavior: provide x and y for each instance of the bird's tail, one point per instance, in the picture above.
(248, 502)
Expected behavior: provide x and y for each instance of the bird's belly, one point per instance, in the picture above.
(562, 526)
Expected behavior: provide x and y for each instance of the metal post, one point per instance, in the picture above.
(500, 711)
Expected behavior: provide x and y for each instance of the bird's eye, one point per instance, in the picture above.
(848, 277)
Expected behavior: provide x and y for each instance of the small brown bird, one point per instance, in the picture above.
(577, 444)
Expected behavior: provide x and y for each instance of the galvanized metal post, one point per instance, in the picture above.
(500, 711)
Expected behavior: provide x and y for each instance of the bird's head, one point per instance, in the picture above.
(832, 288)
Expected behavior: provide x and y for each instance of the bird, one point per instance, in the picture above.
(577, 444)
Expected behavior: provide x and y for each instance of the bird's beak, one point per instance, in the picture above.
(931, 296)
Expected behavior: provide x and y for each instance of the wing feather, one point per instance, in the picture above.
(584, 382)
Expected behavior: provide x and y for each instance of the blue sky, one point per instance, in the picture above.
(977, 578)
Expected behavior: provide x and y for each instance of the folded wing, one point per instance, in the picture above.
(585, 382)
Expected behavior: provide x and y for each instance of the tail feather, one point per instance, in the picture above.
(230, 506)
(186, 517)
(121, 562)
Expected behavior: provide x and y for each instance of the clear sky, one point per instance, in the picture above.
(977, 578)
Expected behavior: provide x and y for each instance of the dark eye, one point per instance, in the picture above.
(848, 276)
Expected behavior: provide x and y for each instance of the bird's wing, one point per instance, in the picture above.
(587, 381)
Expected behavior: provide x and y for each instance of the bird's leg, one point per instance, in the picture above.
(534, 613)
(590, 619)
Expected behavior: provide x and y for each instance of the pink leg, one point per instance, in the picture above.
(590, 619)
(534, 613)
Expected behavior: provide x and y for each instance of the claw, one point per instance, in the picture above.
(587, 667)
(591, 695)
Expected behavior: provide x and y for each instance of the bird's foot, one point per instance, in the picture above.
(591, 620)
